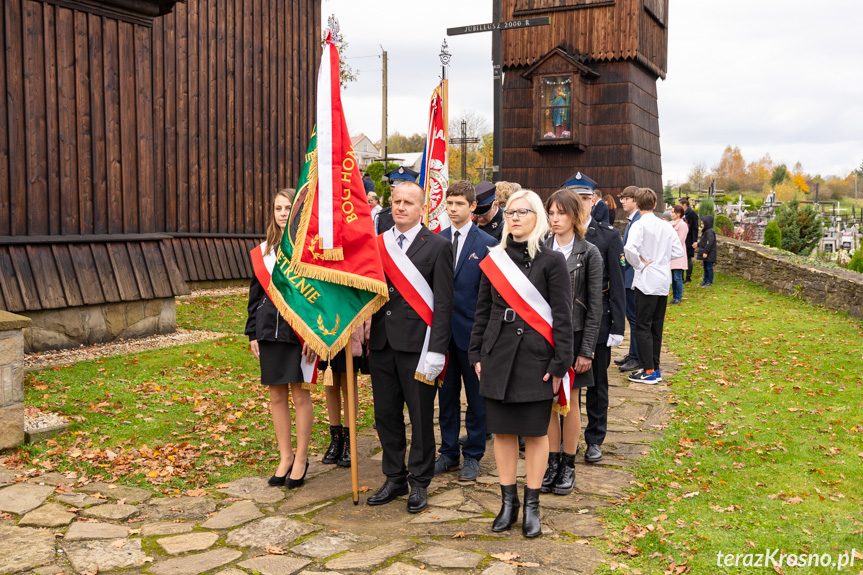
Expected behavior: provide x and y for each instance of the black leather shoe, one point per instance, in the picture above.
(593, 453)
(276, 481)
(389, 491)
(622, 360)
(550, 472)
(564, 483)
(292, 483)
(509, 505)
(337, 439)
(418, 499)
(630, 365)
(345, 455)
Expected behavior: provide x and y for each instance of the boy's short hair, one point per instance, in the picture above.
(628, 192)
(464, 189)
(684, 201)
(645, 199)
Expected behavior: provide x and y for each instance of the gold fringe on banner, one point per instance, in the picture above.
(309, 386)
(334, 255)
(561, 409)
(422, 378)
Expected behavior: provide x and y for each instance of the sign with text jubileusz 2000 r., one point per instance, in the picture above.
(492, 26)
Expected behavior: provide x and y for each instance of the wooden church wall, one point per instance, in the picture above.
(159, 138)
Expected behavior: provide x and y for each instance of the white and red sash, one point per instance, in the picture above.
(412, 286)
(528, 303)
(263, 265)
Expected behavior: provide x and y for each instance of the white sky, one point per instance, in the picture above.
(777, 76)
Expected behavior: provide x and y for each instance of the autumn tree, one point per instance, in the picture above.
(697, 176)
(731, 170)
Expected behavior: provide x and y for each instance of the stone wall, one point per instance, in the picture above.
(834, 289)
(74, 326)
(11, 379)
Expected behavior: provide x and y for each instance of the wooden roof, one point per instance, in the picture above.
(601, 30)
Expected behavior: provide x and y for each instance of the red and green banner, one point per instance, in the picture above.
(326, 300)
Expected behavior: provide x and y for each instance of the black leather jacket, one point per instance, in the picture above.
(265, 323)
(585, 272)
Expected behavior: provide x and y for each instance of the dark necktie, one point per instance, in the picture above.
(455, 247)
(400, 240)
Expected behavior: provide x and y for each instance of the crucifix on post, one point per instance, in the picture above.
(463, 141)
(495, 27)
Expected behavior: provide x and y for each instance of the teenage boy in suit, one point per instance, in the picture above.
(469, 246)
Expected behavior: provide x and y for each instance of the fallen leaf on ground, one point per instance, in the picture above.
(275, 550)
(119, 543)
(508, 556)
(459, 535)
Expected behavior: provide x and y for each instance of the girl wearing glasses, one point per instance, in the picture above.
(519, 370)
(568, 216)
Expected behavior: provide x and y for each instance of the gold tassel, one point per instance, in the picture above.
(328, 375)
(561, 409)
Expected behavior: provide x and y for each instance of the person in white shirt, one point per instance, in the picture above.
(374, 204)
(649, 249)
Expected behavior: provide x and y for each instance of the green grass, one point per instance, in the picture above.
(766, 447)
(180, 417)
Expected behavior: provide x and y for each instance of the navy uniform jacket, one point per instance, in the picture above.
(384, 221)
(628, 270)
(607, 239)
(495, 227)
(466, 281)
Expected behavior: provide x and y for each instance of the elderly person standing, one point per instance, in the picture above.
(521, 348)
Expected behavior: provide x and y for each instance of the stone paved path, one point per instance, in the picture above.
(248, 527)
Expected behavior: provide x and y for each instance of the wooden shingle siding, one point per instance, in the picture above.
(185, 123)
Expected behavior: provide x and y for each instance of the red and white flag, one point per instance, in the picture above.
(434, 174)
(528, 303)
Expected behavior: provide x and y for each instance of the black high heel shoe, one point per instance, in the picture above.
(292, 483)
(276, 481)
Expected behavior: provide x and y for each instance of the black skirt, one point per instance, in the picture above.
(280, 362)
(529, 419)
(581, 379)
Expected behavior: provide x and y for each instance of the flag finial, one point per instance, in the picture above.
(445, 56)
(333, 25)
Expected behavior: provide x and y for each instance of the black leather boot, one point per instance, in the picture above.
(509, 505)
(335, 449)
(345, 455)
(565, 482)
(530, 525)
(550, 476)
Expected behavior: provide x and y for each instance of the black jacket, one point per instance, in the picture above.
(707, 243)
(495, 227)
(607, 239)
(515, 357)
(601, 213)
(585, 272)
(397, 323)
(265, 323)
(692, 221)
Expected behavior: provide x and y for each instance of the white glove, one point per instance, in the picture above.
(614, 340)
(433, 365)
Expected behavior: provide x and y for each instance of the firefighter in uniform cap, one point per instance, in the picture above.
(384, 220)
(489, 216)
(607, 239)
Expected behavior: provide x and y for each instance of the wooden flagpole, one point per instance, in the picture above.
(351, 415)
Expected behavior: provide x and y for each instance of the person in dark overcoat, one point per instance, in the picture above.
(396, 343)
(518, 370)
(567, 216)
(692, 238)
(280, 353)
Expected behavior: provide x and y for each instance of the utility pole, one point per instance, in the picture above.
(384, 110)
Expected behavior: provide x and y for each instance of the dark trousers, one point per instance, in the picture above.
(630, 318)
(650, 317)
(596, 403)
(393, 386)
(690, 253)
(708, 273)
(459, 370)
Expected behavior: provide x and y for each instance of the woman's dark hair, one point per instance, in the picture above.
(679, 210)
(568, 202)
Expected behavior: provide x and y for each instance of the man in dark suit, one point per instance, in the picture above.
(397, 341)
(384, 219)
(469, 246)
(607, 239)
(488, 214)
(600, 211)
(627, 201)
(691, 237)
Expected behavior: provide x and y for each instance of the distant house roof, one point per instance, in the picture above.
(412, 160)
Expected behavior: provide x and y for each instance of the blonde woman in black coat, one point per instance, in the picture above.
(568, 216)
(520, 372)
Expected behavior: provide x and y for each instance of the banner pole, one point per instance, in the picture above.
(352, 422)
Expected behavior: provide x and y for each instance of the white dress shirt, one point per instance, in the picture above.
(655, 241)
(410, 236)
(565, 250)
(462, 235)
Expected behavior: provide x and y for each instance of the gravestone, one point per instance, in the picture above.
(12, 379)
